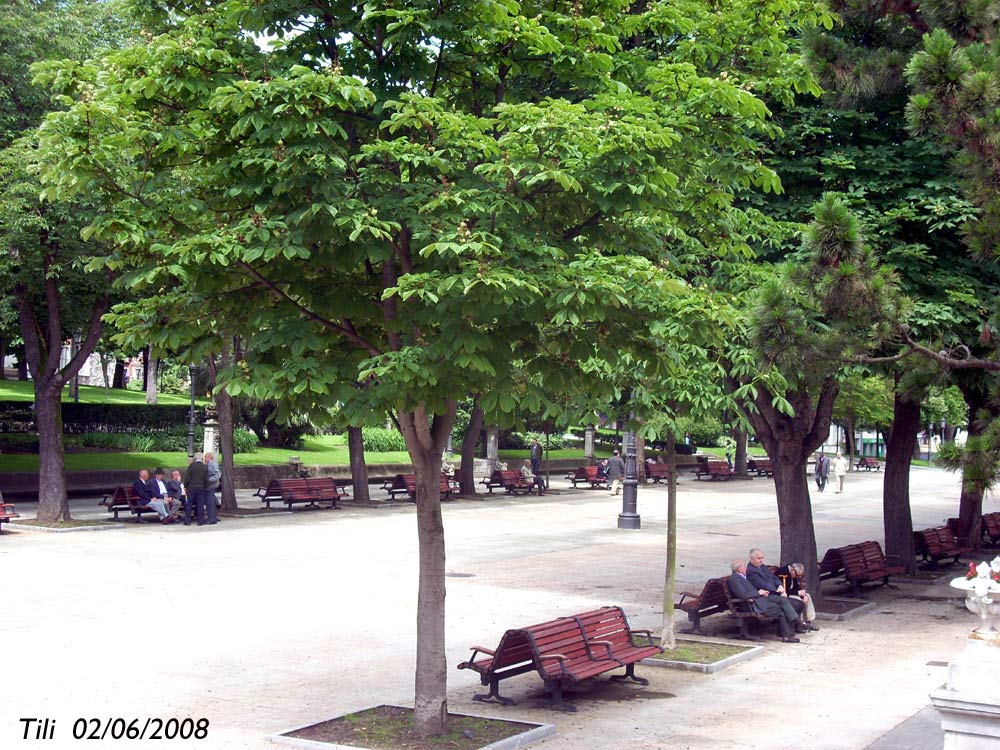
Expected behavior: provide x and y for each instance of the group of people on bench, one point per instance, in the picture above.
(194, 494)
(789, 603)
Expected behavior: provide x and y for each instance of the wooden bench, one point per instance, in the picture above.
(868, 464)
(657, 473)
(761, 466)
(587, 474)
(563, 652)
(123, 498)
(6, 513)
(938, 544)
(493, 481)
(715, 470)
(514, 483)
(713, 599)
(407, 483)
(991, 528)
(311, 490)
(862, 563)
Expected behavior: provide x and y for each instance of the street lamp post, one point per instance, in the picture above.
(77, 338)
(192, 370)
(629, 518)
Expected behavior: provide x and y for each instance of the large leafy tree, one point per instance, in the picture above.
(399, 202)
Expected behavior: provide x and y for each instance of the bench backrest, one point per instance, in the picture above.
(658, 470)
(123, 497)
(410, 482)
(511, 477)
(606, 624)
(719, 467)
(853, 558)
(714, 594)
(873, 555)
(831, 565)
(292, 487)
(564, 637)
(992, 523)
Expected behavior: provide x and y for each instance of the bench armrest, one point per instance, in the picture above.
(679, 601)
(895, 559)
(476, 649)
(647, 633)
(606, 644)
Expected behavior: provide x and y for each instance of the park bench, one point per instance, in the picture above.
(563, 651)
(713, 599)
(7, 513)
(407, 484)
(862, 563)
(492, 481)
(657, 473)
(587, 474)
(310, 491)
(761, 466)
(124, 498)
(868, 464)
(991, 528)
(715, 470)
(514, 483)
(938, 544)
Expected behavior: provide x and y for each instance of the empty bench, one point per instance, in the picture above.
(761, 466)
(310, 491)
(563, 651)
(713, 599)
(589, 475)
(406, 484)
(657, 473)
(868, 464)
(938, 544)
(991, 528)
(715, 470)
(6, 513)
(859, 564)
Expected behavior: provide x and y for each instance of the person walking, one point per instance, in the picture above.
(840, 471)
(822, 471)
(616, 472)
(214, 480)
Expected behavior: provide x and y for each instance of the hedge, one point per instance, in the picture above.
(18, 416)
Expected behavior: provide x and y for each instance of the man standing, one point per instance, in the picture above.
(770, 586)
(840, 471)
(536, 460)
(741, 588)
(214, 480)
(616, 472)
(148, 495)
(196, 482)
(822, 471)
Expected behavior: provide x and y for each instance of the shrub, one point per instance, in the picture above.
(704, 432)
(244, 441)
(382, 440)
(522, 440)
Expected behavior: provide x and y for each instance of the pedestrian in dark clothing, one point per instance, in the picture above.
(616, 473)
(196, 483)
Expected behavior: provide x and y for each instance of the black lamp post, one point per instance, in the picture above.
(629, 518)
(192, 371)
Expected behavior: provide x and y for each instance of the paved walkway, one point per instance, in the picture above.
(264, 623)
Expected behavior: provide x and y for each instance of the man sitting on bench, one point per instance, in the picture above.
(770, 586)
(793, 578)
(148, 494)
(770, 606)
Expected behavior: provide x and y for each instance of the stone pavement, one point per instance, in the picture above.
(264, 623)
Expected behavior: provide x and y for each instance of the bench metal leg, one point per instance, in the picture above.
(556, 702)
(494, 694)
(630, 675)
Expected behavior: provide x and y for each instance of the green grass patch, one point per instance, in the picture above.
(23, 390)
(318, 450)
(71, 524)
(514, 454)
(696, 652)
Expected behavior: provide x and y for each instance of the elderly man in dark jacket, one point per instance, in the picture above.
(196, 482)
(770, 586)
(741, 588)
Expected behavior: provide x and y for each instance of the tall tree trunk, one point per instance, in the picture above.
(852, 449)
(466, 476)
(152, 365)
(670, 574)
(359, 469)
(425, 441)
(740, 436)
(224, 415)
(22, 365)
(42, 352)
(3, 357)
(118, 380)
(789, 441)
(970, 506)
(640, 459)
(897, 520)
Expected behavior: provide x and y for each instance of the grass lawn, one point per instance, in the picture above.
(23, 390)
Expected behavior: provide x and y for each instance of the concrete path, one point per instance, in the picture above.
(260, 624)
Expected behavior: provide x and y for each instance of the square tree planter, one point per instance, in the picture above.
(385, 727)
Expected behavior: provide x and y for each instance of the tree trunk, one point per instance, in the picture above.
(359, 469)
(118, 380)
(153, 364)
(466, 477)
(3, 357)
(22, 365)
(852, 449)
(740, 436)
(224, 415)
(670, 574)
(53, 502)
(640, 459)
(970, 506)
(897, 520)
(789, 441)
(425, 442)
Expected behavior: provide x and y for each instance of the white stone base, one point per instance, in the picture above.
(969, 702)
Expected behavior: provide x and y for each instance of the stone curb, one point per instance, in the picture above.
(751, 652)
(89, 527)
(537, 733)
(850, 614)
